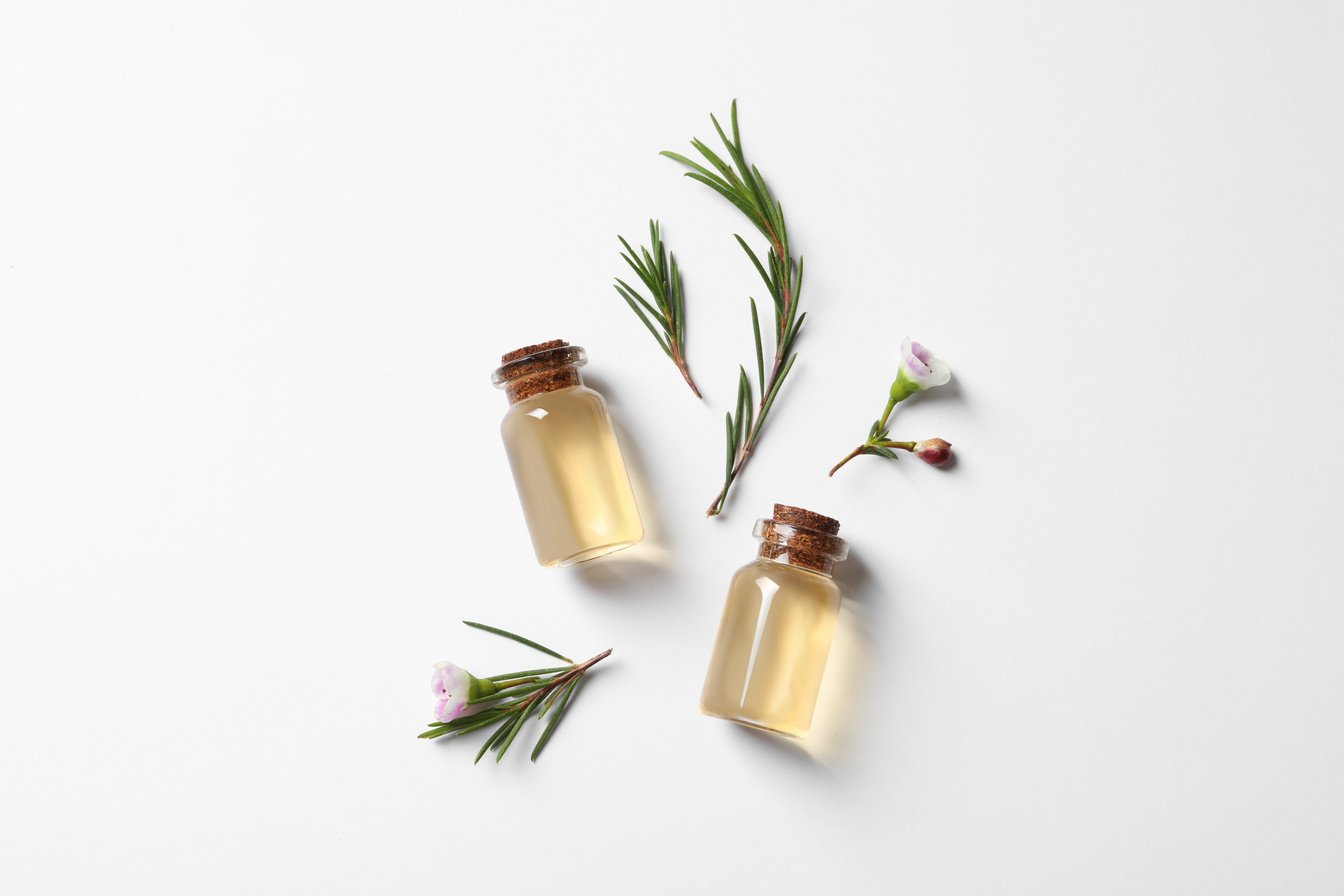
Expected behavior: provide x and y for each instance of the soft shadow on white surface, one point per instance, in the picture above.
(848, 685)
(953, 394)
(779, 750)
(908, 420)
(625, 572)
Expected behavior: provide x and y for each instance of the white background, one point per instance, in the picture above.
(257, 261)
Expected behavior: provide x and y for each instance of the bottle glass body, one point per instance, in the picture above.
(775, 635)
(570, 475)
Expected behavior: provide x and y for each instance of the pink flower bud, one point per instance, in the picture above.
(934, 451)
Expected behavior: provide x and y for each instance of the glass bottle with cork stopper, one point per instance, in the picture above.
(777, 626)
(566, 463)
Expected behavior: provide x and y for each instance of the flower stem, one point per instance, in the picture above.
(886, 415)
(862, 449)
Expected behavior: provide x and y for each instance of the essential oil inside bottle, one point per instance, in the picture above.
(566, 462)
(777, 626)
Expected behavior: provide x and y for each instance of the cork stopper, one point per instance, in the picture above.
(801, 538)
(519, 353)
(535, 369)
(806, 519)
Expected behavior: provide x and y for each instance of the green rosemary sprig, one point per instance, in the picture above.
(469, 704)
(657, 269)
(743, 186)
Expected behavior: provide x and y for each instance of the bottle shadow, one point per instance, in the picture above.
(837, 726)
(777, 747)
(624, 572)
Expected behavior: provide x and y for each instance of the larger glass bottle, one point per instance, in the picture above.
(777, 626)
(571, 479)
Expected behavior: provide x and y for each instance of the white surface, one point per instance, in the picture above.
(257, 261)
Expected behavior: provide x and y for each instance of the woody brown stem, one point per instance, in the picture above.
(567, 677)
(686, 373)
(862, 449)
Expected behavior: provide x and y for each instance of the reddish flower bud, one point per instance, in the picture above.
(934, 451)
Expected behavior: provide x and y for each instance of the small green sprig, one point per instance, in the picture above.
(471, 704)
(743, 186)
(657, 270)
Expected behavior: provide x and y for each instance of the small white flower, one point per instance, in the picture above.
(919, 368)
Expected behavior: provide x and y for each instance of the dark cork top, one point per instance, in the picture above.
(531, 350)
(802, 538)
(806, 519)
(536, 369)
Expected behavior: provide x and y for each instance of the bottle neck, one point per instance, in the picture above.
(821, 564)
(530, 386)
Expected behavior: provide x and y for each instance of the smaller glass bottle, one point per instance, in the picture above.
(571, 479)
(777, 626)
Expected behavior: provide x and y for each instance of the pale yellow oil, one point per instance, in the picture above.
(571, 479)
(771, 650)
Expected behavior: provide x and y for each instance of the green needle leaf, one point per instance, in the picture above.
(743, 205)
(774, 388)
(743, 399)
(479, 721)
(760, 268)
(730, 177)
(732, 449)
(555, 719)
(632, 297)
(760, 356)
(519, 638)
(521, 690)
(517, 726)
(493, 739)
(645, 321)
(458, 724)
(678, 302)
(695, 166)
(526, 672)
(648, 277)
(745, 388)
